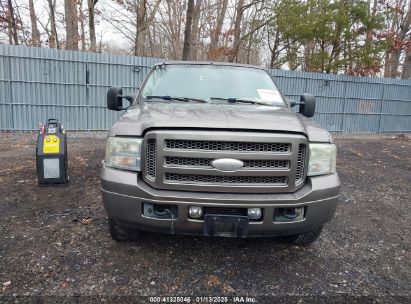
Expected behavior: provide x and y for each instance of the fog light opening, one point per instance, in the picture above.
(195, 212)
(160, 211)
(254, 213)
(292, 214)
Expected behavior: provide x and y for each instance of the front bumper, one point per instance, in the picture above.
(125, 192)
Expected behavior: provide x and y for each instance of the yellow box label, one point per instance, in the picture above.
(51, 144)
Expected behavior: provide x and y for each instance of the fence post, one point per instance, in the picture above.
(10, 95)
(344, 107)
(87, 98)
(380, 110)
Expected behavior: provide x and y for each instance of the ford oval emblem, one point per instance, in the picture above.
(227, 164)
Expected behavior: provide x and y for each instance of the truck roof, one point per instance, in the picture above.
(210, 63)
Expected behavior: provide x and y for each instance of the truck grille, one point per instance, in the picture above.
(178, 160)
(226, 146)
(217, 179)
(206, 162)
(299, 175)
(151, 159)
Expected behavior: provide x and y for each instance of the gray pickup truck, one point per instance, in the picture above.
(215, 149)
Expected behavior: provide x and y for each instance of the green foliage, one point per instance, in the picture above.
(328, 36)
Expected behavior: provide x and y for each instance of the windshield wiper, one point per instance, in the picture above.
(239, 100)
(165, 97)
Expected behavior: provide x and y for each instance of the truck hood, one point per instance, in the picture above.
(139, 118)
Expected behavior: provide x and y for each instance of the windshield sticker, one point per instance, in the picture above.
(270, 95)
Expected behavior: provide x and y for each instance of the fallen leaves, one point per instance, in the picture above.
(213, 280)
(356, 153)
(86, 221)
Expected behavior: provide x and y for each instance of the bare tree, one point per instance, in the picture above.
(35, 34)
(406, 71)
(397, 53)
(320, 36)
(170, 25)
(143, 21)
(5, 24)
(187, 30)
(82, 19)
(237, 31)
(12, 24)
(53, 39)
(91, 24)
(195, 31)
(215, 35)
(133, 21)
(70, 11)
(401, 26)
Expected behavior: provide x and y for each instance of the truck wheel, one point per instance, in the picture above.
(121, 233)
(304, 238)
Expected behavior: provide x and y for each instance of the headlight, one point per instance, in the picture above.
(322, 159)
(124, 153)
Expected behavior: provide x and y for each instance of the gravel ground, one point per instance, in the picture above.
(54, 241)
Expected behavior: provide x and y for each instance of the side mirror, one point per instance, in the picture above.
(115, 99)
(291, 103)
(307, 105)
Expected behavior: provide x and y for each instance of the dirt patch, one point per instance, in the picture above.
(54, 240)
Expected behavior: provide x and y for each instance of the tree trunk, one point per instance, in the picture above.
(387, 64)
(369, 34)
(406, 68)
(406, 71)
(187, 30)
(151, 42)
(250, 42)
(141, 11)
(387, 56)
(237, 31)
(91, 24)
(53, 39)
(10, 32)
(274, 49)
(215, 36)
(12, 23)
(82, 26)
(194, 30)
(142, 24)
(70, 12)
(401, 38)
(395, 63)
(35, 34)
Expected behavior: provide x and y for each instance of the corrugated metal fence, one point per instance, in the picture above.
(37, 83)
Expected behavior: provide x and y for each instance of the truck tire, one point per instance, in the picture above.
(305, 238)
(121, 233)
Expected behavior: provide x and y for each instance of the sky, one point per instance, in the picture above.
(104, 30)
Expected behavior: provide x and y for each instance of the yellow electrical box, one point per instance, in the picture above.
(51, 153)
(51, 144)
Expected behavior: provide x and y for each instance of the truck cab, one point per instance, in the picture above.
(215, 149)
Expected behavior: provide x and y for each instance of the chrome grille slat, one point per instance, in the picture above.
(206, 163)
(299, 175)
(151, 159)
(203, 145)
(220, 179)
(188, 162)
(181, 160)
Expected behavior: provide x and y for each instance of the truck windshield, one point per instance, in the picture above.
(214, 83)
